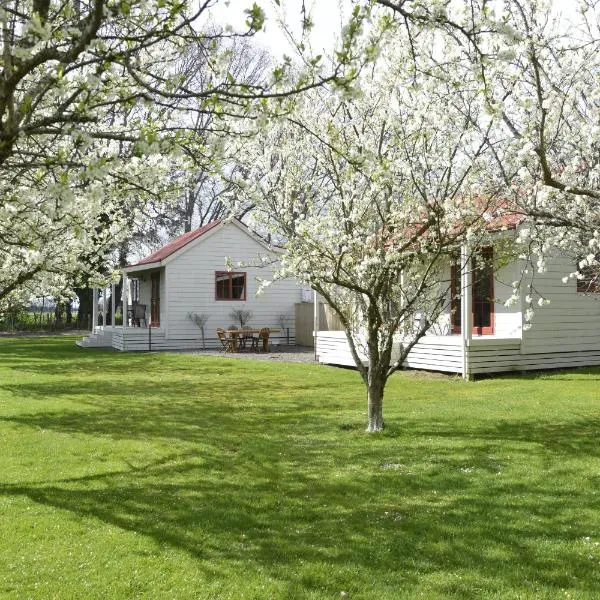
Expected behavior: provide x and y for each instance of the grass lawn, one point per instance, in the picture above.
(177, 476)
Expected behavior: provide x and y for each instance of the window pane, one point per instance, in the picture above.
(230, 286)
(482, 293)
(483, 274)
(135, 290)
(238, 286)
(481, 287)
(456, 299)
(222, 286)
(457, 313)
(482, 314)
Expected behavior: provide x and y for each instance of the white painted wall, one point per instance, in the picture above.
(571, 322)
(507, 320)
(191, 280)
(566, 333)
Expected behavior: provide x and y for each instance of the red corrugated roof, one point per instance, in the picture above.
(176, 244)
(497, 216)
(505, 221)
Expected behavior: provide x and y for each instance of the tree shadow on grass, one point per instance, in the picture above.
(281, 489)
(547, 375)
(143, 408)
(575, 438)
(251, 490)
(179, 410)
(257, 511)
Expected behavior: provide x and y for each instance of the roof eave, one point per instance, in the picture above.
(142, 267)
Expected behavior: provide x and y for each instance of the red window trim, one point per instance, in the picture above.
(231, 274)
(457, 328)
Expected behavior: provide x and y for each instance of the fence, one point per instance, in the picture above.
(328, 321)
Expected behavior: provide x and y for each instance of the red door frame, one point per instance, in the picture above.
(487, 254)
(455, 301)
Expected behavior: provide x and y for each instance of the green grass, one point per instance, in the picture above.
(178, 476)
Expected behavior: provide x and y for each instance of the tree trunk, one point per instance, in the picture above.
(84, 315)
(69, 312)
(58, 312)
(190, 203)
(375, 402)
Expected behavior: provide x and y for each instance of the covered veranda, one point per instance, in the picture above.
(127, 313)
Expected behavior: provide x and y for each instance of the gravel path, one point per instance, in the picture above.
(302, 354)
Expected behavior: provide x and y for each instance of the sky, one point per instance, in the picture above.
(326, 14)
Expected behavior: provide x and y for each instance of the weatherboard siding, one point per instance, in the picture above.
(435, 352)
(487, 355)
(191, 287)
(565, 333)
(571, 322)
(507, 319)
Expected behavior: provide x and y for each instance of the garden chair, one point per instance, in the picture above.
(233, 334)
(245, 337)
(263, 335)
(138, 315)
(226, 341)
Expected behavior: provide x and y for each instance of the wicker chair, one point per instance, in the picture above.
(138, 315)
(227, 342)
(245, 337)
(263, 335)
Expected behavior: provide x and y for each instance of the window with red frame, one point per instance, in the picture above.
(230, 286)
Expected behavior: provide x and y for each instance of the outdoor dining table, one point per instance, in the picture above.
(234, 335)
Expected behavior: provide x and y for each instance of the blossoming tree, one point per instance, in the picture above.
(373, 197)
(537, 65)
(94, 114)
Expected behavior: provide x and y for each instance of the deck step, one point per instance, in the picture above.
(97, 339)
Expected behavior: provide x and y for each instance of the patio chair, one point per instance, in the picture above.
(138, 315)
(245, 337)
(263, 335)
(232, 331)
(227, 342)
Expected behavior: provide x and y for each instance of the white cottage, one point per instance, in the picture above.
(565, 333)
(189, 275)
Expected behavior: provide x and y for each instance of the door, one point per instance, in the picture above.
(482, 294)
(155, 299)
